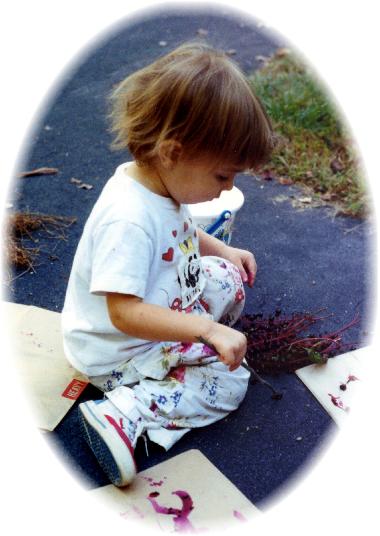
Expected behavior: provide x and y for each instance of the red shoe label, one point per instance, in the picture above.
(74, 389)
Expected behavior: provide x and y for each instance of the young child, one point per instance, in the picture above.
(151, 298)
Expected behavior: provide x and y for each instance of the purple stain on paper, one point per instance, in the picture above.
(135, 513)
(240, 516)
(152, 482)
(338, 402)
(180, 519)
(351, 378)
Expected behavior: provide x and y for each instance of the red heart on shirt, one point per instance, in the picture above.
(174, 233)
(168, 256)
(185, 226)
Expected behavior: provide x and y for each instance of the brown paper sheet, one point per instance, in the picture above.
(199, 497)
(336, 384)
(50, 381)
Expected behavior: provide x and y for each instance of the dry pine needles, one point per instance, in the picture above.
(20, 226)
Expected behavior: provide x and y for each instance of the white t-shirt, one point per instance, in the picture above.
(134, 242)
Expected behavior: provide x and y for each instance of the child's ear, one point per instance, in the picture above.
(169, 152)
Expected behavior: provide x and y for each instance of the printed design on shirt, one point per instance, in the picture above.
(239, 295)
(190, 276)
(168, 255)
(178, 373)
(184, 252)
(162, 400)
(198, 307)
(193, 267)
(166, 395)
(228, 280)
(209, 386)
(167, 359)
(205, 305)
(176, 304)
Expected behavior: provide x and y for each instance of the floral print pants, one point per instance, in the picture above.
(180, 386)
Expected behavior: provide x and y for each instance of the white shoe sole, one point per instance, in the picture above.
(109, 443)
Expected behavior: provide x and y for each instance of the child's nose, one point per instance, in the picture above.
(229, 185)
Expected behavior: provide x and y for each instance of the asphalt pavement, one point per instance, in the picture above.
(307, 258)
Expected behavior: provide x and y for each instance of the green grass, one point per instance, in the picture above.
(314, 147)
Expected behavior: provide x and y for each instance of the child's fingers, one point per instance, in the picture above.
(243, 274)
(247, 276)
(226, 362)
(236, 364)
(250, 270)
(252, 277)
(246, 264)
(231, 365)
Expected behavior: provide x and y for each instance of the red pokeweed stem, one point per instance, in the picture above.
(344, 328)
(310, 339)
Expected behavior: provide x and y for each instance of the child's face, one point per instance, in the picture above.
(199, 180)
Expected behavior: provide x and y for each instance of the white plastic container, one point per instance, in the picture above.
(218, 216)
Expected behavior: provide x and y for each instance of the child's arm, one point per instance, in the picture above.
(243, 259)
(209, 245)
(131, 315)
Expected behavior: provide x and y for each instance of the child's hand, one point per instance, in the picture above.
(245, 262)
(230, 344)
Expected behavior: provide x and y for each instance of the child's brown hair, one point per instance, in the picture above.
(195, 95)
